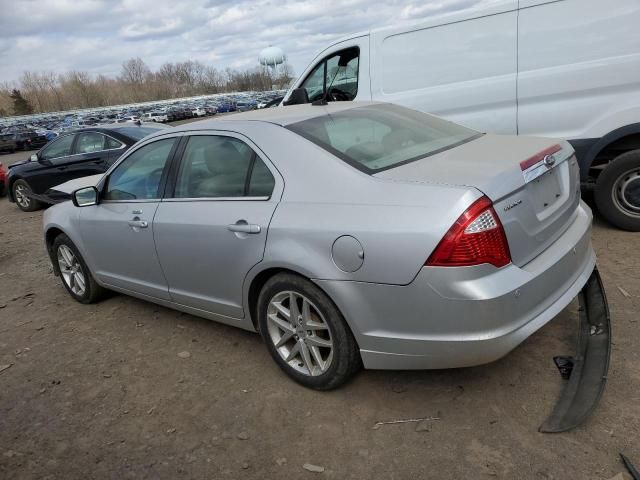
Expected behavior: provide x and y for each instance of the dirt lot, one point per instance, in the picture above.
(100, 392)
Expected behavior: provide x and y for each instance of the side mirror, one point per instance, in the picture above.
(298, 96)
(85, 197)
(34, 157)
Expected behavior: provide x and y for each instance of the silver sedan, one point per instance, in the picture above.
(348, 235)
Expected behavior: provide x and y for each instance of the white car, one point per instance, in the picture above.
(155, 117)
(199, 112)
(128, 119)
(527, 67)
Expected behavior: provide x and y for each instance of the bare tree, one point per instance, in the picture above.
(46, 91)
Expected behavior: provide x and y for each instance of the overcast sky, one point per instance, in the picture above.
(98, 35)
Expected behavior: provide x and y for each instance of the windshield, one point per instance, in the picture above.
(378, 137)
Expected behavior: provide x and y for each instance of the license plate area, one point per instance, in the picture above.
(545, 190)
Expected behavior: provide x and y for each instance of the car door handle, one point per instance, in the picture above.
(138, 223)
(243, 228)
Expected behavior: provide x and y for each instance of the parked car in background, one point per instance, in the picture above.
(76, 154)
(405, 242)
(128, 119)
(506, 67)
(245, 106)
(199, 112)
(225, 107)
(7, 143)
(3, 180)
(29, 140)
(155, 117)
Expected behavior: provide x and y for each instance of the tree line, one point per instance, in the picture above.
(39, 92)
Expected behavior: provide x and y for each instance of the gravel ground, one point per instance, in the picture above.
(106, 391)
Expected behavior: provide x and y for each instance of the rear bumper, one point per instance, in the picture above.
(458, 317)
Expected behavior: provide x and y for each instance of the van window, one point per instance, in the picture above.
(337, 74)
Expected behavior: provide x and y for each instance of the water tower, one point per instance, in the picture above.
(271, 57)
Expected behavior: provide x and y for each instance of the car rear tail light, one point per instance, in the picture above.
(476, 237)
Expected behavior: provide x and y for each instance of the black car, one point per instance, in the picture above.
(81, 153)
(7, 143)
(29, 140)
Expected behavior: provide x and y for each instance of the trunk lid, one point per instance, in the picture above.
(536, 201)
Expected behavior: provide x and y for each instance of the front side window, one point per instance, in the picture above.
(138, 176)
(89, 142)
(217, 166)
(378, 137)
(60, 147)
(337, 74)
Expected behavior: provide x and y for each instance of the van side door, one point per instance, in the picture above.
(578, 67)
(461, 66)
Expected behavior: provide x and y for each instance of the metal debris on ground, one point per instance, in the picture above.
(313, 468)
(624, 292)
(5, 367)
(407, 420)
(630, 467)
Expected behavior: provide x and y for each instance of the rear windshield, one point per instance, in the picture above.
(378, 137)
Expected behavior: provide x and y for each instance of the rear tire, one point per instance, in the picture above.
(21, 191)
(74, 273)
(617, 192)
(312, 343)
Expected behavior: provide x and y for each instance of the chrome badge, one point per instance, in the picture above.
(549, 160)
(512, 205)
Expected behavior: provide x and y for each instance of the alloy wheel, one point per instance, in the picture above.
(21, 196)
(71, 270)
(300, 334)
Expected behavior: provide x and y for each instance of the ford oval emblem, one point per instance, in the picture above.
(549, 160)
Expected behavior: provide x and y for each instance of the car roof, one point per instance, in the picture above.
(282, 116)
(120, 130)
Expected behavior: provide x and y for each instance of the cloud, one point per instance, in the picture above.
(98, 35)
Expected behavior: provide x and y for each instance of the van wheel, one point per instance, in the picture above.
(617, 192)
(305, 333)
(22, 195)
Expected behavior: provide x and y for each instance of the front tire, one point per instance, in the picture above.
(617, 193)
(21, 194)
(76, 276)
(305, 333)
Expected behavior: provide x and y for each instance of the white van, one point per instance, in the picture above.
(556, 68)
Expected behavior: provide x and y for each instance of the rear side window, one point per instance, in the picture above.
(217, 166)
(112, 144)
(90, 142)
(378, 137)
